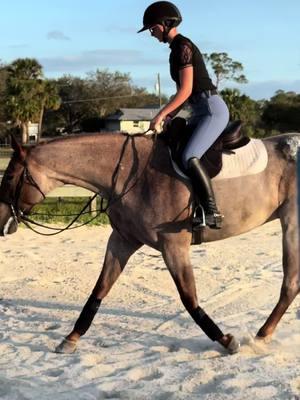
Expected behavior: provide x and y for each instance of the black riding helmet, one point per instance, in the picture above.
(161, 12)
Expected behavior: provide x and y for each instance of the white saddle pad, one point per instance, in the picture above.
(247, 160)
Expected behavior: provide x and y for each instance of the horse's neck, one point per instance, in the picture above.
(95, 162)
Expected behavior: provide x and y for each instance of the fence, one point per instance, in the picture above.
(66, 191)
(74, 191)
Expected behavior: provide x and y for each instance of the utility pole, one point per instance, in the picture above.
(158, 89)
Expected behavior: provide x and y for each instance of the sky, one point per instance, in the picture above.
(79, 36)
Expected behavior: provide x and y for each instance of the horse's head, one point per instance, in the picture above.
(19, 191)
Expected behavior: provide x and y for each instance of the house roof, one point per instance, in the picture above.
(133, 114)
(138, 114)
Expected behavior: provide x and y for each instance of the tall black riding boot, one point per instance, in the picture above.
(203, 189)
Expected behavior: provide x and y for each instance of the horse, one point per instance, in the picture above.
(149, 203)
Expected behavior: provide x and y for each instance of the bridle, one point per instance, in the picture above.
(19, 215)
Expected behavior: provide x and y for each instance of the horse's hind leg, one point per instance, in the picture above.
(291, 268)
(117, 254)
(176, 256)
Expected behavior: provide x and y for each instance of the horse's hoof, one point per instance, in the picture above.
(66, 347)
(263, 339)
(233, 346)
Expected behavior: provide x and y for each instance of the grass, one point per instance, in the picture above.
(6, 151)
(5, 154)
(4, 163)
(52, 207)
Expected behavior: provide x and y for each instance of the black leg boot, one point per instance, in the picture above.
(203, 189)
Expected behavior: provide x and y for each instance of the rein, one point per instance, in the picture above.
(18, 214)
(27, 221)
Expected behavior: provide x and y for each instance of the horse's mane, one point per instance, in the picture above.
(78, 136)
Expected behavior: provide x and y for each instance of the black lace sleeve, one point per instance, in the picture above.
(185, 56)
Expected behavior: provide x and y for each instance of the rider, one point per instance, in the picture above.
(210, 114)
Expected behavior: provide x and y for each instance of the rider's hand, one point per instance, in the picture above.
(156, 123)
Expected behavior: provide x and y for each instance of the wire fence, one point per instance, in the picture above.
(64, 200)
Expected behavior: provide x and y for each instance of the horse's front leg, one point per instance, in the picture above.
(177, 259)
(117, 254)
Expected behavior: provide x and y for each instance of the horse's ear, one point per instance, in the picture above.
(18, 149)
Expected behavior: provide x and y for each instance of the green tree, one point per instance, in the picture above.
(92, 98)
(27, 94)
(225, 68)
(282, 112)
(232, 99)
(76, 104)
(3, 118)
(282, 97)
(115, 90)
(50, 100)
(242, 107)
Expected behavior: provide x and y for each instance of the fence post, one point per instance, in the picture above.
(298, 196)
(93, 207)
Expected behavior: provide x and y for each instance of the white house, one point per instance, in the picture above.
(133, 120)
(33, 131)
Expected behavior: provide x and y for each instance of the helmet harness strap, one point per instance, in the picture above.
(167, 26)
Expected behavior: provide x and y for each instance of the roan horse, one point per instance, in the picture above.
(150, 204)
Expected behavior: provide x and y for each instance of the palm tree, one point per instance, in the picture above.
(232, 98)
(3, 119)
(242, 107)
(49, 100)
(27, 94)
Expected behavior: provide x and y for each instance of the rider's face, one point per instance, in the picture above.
(157, 32)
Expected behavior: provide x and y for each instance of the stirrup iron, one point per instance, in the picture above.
(213, 221)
